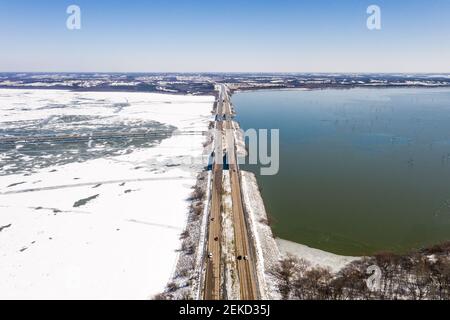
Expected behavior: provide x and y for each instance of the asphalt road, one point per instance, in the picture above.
(212, 290)
(245, 258)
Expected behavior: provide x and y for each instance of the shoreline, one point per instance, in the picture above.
(273, 249)
(317, 257)
(304, 89)
(270, 250)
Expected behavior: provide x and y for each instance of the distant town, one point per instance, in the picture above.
(203, 83)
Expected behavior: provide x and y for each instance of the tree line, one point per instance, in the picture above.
(418, 275)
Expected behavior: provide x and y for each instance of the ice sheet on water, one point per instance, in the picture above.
(40, 143)
(43, 130)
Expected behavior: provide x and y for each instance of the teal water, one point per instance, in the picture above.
(361, 170)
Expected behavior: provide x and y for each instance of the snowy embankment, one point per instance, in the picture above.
(316, 257)
(266, 249)
(95, 220)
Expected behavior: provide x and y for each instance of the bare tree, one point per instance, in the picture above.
(286, 272)
(417, 275)
(440, 275)
(352, 281)
(315, 284)
(419, 278)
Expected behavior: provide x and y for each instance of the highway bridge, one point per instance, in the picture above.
(244, 247)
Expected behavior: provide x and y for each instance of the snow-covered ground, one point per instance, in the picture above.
(316, 257)
(95, 219)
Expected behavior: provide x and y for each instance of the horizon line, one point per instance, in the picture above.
(229, 72)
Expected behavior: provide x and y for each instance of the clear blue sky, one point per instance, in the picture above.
(231, 35)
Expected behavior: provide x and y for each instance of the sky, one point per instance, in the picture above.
(225, 36)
